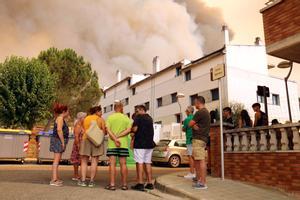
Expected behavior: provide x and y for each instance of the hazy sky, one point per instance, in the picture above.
(244, 18)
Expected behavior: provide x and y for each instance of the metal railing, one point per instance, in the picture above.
(283, 137)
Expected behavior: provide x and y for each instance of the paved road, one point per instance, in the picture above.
(31, 182)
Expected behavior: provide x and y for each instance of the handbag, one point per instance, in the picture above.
(95, 134)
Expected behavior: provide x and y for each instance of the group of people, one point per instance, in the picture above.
(244, 120)
(196, 126)
(117, 126)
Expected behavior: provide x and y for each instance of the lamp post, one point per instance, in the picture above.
(179, 96)
(286, 65)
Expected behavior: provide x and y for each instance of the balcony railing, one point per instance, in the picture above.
(265, 138)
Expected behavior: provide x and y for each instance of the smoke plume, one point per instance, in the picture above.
(111, 34)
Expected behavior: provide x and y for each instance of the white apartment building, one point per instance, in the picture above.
(246, 68)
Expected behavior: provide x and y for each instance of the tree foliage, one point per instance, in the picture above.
(236, 108)
(77, 84)
(26, 92)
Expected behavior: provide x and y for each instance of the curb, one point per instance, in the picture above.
(159, 185)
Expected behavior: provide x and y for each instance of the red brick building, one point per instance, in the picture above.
(281, 20)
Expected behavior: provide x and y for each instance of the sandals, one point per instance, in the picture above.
(113, 188)
(124, 187)
(110, 187)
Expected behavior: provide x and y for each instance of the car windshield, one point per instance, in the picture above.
(162, 143)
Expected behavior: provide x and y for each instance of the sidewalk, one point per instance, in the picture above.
(217, 190)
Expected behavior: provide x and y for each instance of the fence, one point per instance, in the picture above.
(268, 155)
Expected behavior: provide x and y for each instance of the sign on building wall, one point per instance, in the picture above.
(217, 72)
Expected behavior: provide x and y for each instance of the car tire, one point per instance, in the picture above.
(174, 161)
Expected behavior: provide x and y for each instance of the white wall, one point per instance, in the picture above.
(242, 87)
(251, 58)
(246, 69)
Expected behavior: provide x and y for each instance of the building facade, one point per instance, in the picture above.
(246, 68)
(282, 28)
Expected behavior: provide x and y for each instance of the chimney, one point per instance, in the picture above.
(156, 64)
(119, 75)
(226, 34)
(257, 41)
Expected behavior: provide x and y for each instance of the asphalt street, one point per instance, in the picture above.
(22, 182)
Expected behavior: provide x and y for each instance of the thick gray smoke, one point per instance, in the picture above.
(111, 34)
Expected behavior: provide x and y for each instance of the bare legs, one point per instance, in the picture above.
(148, 173)
(200, 166)
(124, 170)
(140, 169)
(84, 165)
(76, 169)
(148, 170)
(192, 166)
(57, 157)
(94, 166)
(112, 170)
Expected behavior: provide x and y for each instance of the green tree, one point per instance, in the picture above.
(236, 108)
(77, 84)
(26, 92)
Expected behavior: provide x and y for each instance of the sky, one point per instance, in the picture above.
(127, 34)
(244, 18)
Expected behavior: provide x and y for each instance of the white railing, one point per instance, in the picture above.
(265, 138)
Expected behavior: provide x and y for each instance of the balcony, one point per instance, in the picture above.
(267, 138)
(281, 20)
(268, 155)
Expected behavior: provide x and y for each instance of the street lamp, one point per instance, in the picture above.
(179, 96)
(286, 65)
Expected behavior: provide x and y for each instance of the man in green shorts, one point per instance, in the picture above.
(118, 127)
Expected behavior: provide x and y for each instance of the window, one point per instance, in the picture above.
(188, 75)
(181, 143)
(128, 115)
(108, 109)
(159, 102)
(129, 82)
(275, 99)
(260, 99)
(178, 118)
(178, 71)
(147, 105)
(174, 97)
(133, 91)
(158, 122)
(176, 144)
(104, 95)
(192, 98)
(215, 94)
(125, 101)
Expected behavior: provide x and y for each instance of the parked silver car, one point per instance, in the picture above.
(173, 152)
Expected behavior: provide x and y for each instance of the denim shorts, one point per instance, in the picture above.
(55, 145)
(189, 149)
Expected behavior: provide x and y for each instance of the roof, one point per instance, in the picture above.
(270, 4)
(118, 83)
(179, 64)
(205, 58)
(157, 73)
(200, 60)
